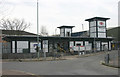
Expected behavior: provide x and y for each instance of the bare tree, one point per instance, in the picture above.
(14, 24)
(44, 31)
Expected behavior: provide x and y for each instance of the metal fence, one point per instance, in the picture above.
(25, 54)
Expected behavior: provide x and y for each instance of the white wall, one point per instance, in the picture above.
(109, 45)
(67, 30)
(102, 35)
(62, 32)
(79, 42)
(93, 29)
(101, 24)
(92, 34)
(32, 47)
(13, 46)
(92, 23)
(101, 29)
(21, 45)
(88, 46)
(45, 45)
(98, 45)
(71, 44)
(106, 46)
(86, 42)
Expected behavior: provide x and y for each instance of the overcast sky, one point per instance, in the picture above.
(54, 13)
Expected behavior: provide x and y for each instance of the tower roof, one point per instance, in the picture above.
(66, 26)
(97, 18)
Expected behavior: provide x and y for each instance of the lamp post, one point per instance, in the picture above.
(95, 36)
(38, 29)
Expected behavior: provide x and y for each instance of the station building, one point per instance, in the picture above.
(95, 40)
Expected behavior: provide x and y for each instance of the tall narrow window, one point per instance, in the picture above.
(68, 33)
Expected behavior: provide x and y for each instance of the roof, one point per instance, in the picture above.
(16, 32)
(114, 32)
(66, 26)
(97, 18)
(83, 33)
(34, 38)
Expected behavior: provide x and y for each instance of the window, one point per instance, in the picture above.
(68, 34)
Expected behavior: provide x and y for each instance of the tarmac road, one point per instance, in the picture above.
(78, 66)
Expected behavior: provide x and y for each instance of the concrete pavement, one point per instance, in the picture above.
(79, 66)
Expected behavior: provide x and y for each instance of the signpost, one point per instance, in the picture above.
(45, 47)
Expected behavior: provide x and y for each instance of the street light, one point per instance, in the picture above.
(95, 35)
(38, 28)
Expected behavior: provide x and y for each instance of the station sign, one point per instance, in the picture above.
(101, 23)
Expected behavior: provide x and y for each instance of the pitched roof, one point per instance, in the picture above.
(16, 32)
